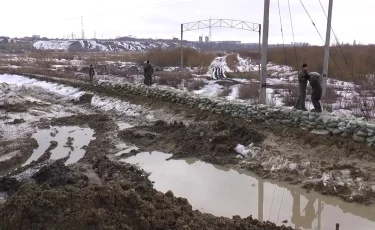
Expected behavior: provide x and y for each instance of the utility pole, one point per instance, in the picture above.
(83, 32)
(182, 47)
(326, 52)
(263, 77)
(210, 33)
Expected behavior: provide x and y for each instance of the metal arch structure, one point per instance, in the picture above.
(214, 23)
(224, 23)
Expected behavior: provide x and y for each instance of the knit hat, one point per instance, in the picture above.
(304, 65)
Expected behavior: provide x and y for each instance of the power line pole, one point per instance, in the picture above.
(182, 47)
(263, 77)
(210, 33)
(326, 52)
(83, 32)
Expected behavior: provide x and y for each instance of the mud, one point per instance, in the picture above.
(209, 137)
(212, 143)
(22, 149)
(99, 122)
(120, 198)
(313, 154)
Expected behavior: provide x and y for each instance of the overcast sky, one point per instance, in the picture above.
(352, 20)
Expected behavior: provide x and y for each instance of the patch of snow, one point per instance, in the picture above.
(211, 90)
(325, 178)
(52, 45)
(116, 105)
(67, 91)
(249, 151)
(245, 65)
(240, 149)
(234, 94)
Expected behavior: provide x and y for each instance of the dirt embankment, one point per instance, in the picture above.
(106, 195)
(214, 142)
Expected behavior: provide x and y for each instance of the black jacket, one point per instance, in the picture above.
(316, 87)
(148, 70)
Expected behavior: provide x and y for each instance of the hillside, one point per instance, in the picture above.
(96, 45)
(132, 44)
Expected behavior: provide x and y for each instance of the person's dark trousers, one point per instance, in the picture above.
(315, 99)
(150, 80)
(300, 104)
(145, 80)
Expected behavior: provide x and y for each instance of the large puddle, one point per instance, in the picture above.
(70, 142)
(226, 192)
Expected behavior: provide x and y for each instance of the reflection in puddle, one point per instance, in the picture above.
(226, 192)
(70, 140)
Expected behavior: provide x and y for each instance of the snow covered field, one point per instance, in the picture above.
(10, 84)
(238, 81)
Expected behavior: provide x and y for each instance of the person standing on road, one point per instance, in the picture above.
(91, 73)
(314, 79)
(147, 72)
(302, 84)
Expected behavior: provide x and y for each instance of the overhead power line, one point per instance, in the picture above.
(334, 60)
(294, 41)
(282, 32)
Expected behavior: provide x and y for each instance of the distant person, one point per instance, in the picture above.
(147, 72)
(302, 84)
(314, 79)
(91, 73)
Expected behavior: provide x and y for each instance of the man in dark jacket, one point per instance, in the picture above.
(302, 84)
(91, 73)
(147, 72)
(316, 94)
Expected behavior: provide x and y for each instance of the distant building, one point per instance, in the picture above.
(175, 39)
(229, 42)
(36, 36)
(200, 39)
(207, 39)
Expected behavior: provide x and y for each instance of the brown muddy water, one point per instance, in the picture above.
(70, 142)
(226, 192)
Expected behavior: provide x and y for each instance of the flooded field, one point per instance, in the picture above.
(226, 192)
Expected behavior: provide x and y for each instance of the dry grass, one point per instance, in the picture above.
(361, 60)
(254, 55)
(248, 91)
(253, 75)
(172, 78)
(331, 95)
(16, 48)
(195, 84)
(166, 58)
(289, 93)
(232, 61)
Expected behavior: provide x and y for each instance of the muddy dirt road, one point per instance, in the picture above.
(67, 142)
